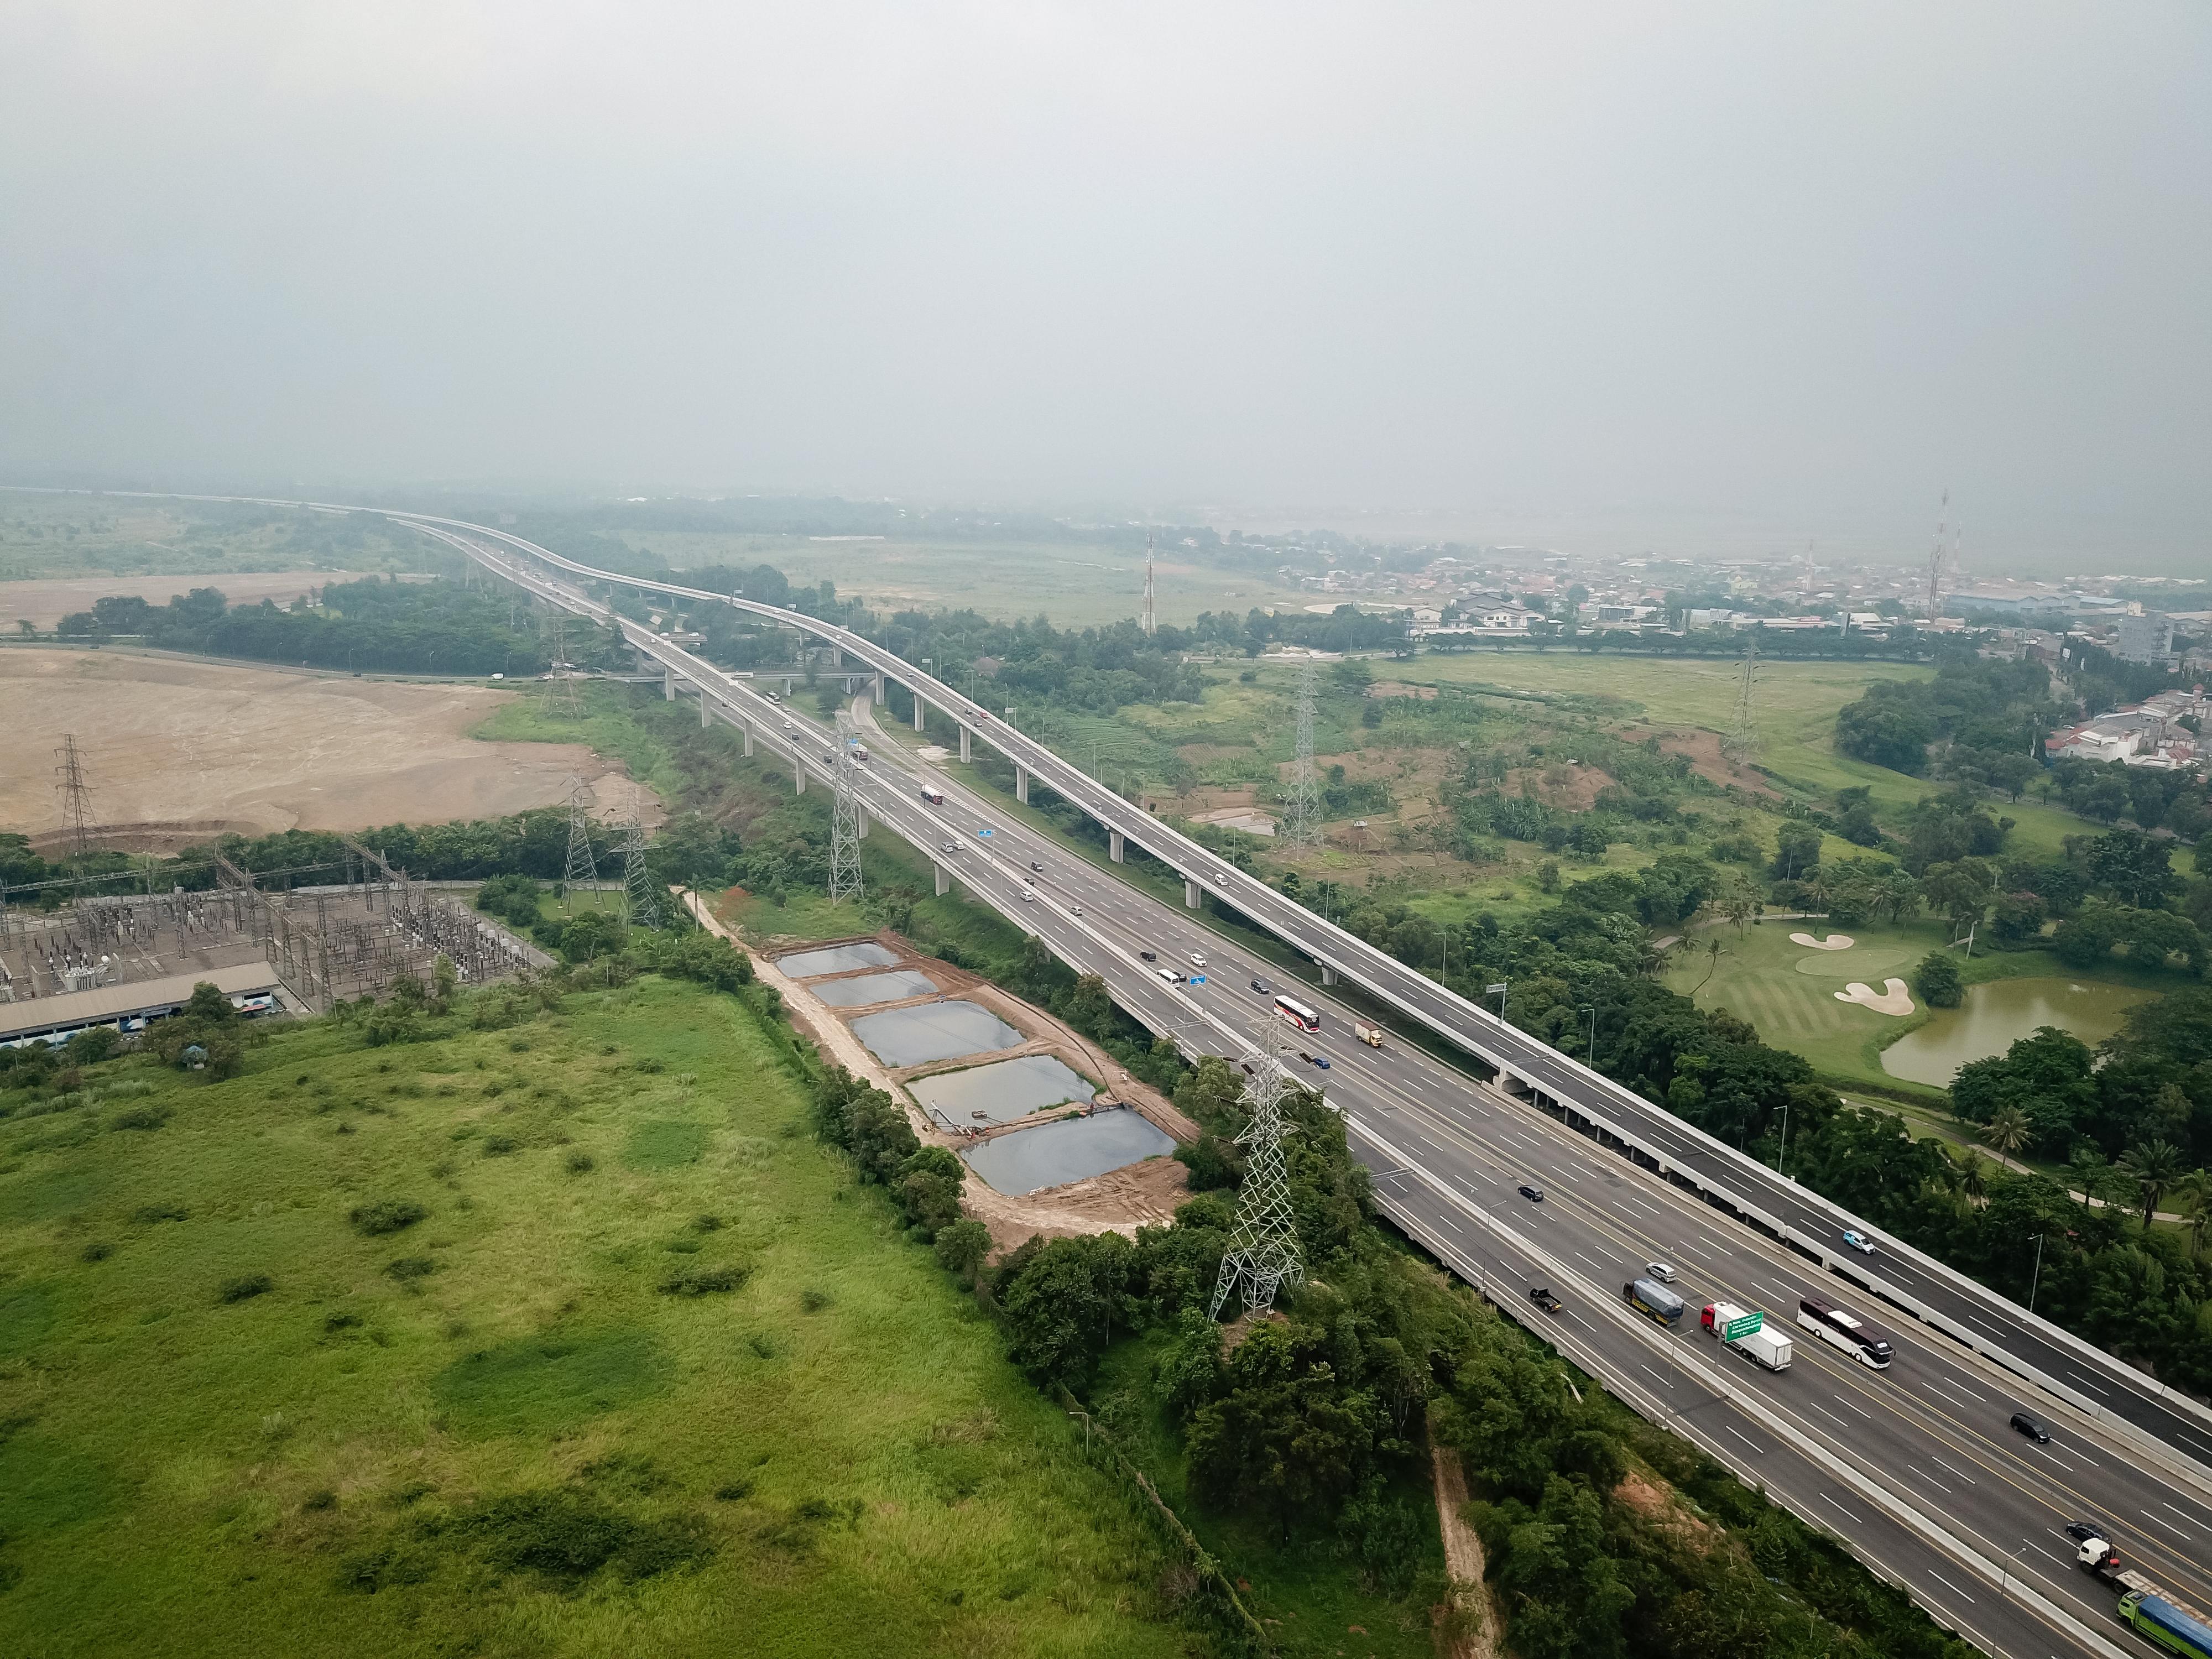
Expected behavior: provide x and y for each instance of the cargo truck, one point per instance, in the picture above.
(1745, 1330)
(1648, 1295)
(1367, 1034)
(2161, 1617)
(934, 796)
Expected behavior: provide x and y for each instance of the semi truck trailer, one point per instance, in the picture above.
(1745, 1330)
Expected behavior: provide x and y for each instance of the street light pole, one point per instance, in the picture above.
(2038, 1280)
(1591, 1059)
(1781, 1157)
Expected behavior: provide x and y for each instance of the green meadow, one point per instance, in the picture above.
(567, 1338)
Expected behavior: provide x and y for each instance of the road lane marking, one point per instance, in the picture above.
(2060, 1462)
(1961, 1472)
(2052, 1554)
(1831, 1417)
(1932, 1573)
(1598, 1265)
(1758, 1450)
(1860, 1410)
(1934, 1482)
(2088, 1382)
(1840, 1510)
(2078, 1452)
(2168, 1525)
(2184, 1514)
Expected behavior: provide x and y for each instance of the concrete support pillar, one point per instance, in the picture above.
(749, 740)
(1113, 845)
(668, 682)
(965, 734)
(1022, 784)
(1327, 975)
(880, 689)
(943, 880)
(705, 709)
(1192, 893)
(864, 823)
(788, 680)
(836, 656)
(799, 772)
(920, 711)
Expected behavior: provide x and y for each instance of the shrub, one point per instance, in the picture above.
(500, 1145)
(140, 1117)
(1938, 981)
(95, 1251)
(341, 1322)
(386, 1215)
(410, 1267)
(814, 1300)
(703, 1281)
(579, 1162)
(325, 1499)
(245, 1287)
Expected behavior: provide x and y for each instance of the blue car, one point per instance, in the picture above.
(1860, 1242)
(1321, 1061)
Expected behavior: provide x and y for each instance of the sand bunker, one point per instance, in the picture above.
(1833, 942)
(1893, 999)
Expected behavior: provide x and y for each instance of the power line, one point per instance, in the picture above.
(845, 827)
(1302, 823)
(1742, 743)
(582, 867)
(1263, 1249)
(638, 888)
(1152, 617)
(76, 801)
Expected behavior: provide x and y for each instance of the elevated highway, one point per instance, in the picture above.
(1914, 1469)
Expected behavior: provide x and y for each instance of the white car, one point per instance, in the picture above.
(1662, 1271)
(1028, 896)
(1197, 960)
(1075, 909)
(1860, 1242)
(951, 847)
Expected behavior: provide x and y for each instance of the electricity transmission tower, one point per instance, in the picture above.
(76, 800)
(1263, 1249)
(1742, 743)
(560, 690)
(1302, 823)
(844, 818)
(582, 867)
(1937, 558)
(1150, 619)
(638, 888)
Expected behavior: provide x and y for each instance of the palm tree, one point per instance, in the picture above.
(2085, 1171)
(1974, 1174)
(2192, 1195)
(2153, 1168)
(1714, 952)
(2008, 1130)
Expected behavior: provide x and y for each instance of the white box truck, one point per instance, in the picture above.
(1745, 1330)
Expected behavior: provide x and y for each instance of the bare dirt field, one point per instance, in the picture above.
(187, 749)
(45, 602)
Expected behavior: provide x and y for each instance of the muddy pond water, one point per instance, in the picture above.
(1996, 1015)
(836, 959)
(933, 1030)
(864, 988)
(1075, 1149)
(1001, 1091)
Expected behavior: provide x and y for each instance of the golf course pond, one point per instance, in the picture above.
(1996, 1015)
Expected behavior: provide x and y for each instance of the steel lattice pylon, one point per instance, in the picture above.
(582, 867)
(1150, 620)
(845, 825)
(1263, 1250)
(76, 801)
(1302, 819)
(1742, 743)
(638, 888)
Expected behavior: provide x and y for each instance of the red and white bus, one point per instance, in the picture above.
(1298, 1014)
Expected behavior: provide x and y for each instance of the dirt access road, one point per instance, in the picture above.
(187, 749)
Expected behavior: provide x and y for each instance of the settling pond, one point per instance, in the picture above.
(933, 1030)
(864, 988)
(1996, 1015)
(1001, 1091)
(836, 959)
(1053, 1154)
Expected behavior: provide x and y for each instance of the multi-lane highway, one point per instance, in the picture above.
(1914, 1467)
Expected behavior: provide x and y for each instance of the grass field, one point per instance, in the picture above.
(234, 1420)
(1077, 586)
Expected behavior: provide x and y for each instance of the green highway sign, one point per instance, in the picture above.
(1743, 1327)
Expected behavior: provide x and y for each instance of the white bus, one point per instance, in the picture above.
(1839, 1328)
(1298, 1014)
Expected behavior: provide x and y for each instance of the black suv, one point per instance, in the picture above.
(1534, 1195)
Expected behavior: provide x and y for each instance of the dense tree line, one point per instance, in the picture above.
(367, 626)
(1980, 721)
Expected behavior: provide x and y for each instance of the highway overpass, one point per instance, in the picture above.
(1914, 1469)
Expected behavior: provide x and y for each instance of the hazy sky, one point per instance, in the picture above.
(1649, 268)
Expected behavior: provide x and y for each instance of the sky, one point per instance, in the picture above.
(1624, 276)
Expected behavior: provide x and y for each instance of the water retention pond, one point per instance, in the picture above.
(1001, 1091)
(1075, 1149)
